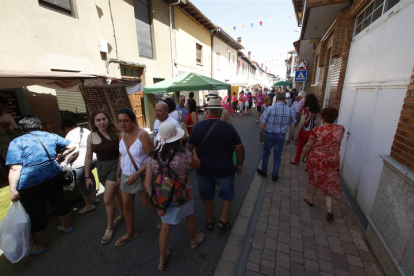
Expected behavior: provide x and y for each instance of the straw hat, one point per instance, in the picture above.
(213, 94)
(169, 133)
(214, 103)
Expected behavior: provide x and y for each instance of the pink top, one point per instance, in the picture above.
(242, 98)
(260, 99)
(234, 99)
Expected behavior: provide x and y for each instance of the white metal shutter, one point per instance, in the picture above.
(64, 4)
(70, 101)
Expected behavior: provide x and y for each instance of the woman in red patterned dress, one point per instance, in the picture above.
(323, 159)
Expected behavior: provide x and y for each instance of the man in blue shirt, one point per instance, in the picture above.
(216, 156)
(274, 124)
(181, 107)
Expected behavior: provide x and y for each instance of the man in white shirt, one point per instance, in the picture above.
(161, 115)
(79, 136)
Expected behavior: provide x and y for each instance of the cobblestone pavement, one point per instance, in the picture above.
(292, 238)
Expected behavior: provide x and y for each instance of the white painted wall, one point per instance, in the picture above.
(223, 68)
(381, 58)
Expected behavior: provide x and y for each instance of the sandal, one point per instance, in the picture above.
(210, 225)
(159, 225)
(161, 266)
(37, 252)
(67, 231)
(223, 225)
(309, 202)
(329, 216)
(117, 220)
(121, 241)
(85, 210)
(108, 236)
(199, 239)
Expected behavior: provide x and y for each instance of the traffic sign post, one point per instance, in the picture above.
(302, 66)
(301, 75)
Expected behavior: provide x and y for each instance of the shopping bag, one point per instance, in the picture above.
(15, 233)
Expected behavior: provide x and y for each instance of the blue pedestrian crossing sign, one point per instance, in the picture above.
(301, 75)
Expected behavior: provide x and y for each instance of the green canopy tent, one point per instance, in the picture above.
(186, 82)
(282, 83)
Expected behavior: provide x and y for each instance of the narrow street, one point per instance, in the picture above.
(292, 238)
(81, 253)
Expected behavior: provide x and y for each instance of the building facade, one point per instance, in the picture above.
(362, 65)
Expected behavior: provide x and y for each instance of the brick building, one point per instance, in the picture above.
(362, 63)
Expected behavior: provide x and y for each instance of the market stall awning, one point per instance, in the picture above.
(282, 83)
(60, 80)
(238, 81)
(186, 82)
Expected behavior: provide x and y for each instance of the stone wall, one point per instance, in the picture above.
(391, 225)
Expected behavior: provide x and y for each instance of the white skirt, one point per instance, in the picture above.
(174, 215)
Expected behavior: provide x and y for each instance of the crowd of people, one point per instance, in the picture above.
(130, 162)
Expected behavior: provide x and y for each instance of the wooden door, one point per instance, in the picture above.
(137, 103)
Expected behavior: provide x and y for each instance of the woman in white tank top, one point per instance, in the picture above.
(135, 145)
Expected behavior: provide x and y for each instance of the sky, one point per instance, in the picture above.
(269, 42)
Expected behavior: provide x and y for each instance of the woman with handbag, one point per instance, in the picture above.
(34, 177)
(179, 160)
(309, 119)
(135, 145)
(104, 141)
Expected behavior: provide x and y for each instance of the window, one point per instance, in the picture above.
(128, 72)
(372, 13)
(218, 56)
(64, 6)
(143, 28)
(199, 53)
(317, 72)
(155, 80)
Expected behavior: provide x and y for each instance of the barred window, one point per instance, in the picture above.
(372, 13)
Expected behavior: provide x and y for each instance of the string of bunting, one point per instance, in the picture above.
(252, 24)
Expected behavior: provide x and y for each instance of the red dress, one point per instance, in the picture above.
(189, 122)
(323, 159)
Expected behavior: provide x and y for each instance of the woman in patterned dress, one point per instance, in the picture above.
(323, 159)
(180, 161)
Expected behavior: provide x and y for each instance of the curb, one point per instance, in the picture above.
(234, 257)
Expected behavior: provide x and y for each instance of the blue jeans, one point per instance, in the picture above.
(277, 140)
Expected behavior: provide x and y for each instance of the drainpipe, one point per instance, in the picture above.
(171, 33)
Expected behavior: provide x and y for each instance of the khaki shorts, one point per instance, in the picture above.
(107, 170)
(133, 188)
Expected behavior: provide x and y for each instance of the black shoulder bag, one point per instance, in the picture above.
(65, 177)
(208, 133)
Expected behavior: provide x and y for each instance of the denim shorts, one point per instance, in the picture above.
(207, 187)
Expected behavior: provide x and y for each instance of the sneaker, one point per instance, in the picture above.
(262, 173)
(275, 178)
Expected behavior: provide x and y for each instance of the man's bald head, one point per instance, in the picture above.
(161, 111)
